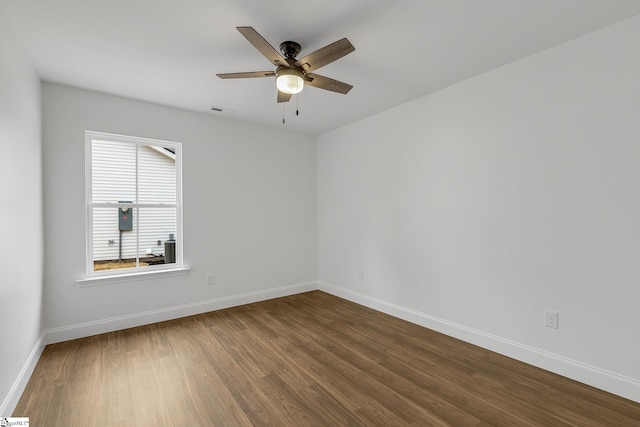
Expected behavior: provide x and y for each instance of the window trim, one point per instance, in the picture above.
(119, 275)
(131, 276)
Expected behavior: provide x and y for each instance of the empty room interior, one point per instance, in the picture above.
(331, 213)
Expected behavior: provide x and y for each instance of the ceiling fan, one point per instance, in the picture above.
(291, 73)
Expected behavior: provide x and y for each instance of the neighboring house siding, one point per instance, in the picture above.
(113, 180)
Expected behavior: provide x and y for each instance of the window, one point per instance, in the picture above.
(134, 209)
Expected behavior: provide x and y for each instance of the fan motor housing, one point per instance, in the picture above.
(290, 49)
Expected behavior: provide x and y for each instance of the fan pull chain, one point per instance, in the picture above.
(283, 113)
(297, 112)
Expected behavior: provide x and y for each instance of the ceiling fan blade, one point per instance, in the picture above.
(283, 97)
(322, 82)
(325, 55)
(262, 45)
(247, 74)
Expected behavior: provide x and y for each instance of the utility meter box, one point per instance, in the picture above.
(125, 217)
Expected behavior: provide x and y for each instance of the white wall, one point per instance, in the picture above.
(249, 197)
(479, 206)
(21, 241)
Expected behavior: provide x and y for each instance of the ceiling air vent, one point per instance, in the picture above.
(221, 110)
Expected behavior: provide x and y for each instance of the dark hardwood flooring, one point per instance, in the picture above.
(306, 360)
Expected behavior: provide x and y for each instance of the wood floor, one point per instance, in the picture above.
(306, 360)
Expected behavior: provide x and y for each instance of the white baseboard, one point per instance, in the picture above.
(65, 333)
(87, 329)
(600, 378)
(596, 377)
(11, 400)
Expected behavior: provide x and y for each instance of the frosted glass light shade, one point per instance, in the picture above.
(289, 81)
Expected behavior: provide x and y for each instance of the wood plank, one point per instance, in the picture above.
(307, 359)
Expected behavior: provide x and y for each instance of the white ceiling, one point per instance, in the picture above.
(169, 51)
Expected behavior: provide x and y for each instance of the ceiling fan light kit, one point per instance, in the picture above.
(291, 74)
(289, 80)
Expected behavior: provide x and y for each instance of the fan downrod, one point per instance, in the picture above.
(290, 49)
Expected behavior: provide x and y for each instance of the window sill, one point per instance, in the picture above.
(131, 277)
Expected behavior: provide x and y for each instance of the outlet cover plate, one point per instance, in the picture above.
(551, 319)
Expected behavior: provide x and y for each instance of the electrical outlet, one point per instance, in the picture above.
(551, 319)
(211, 279)
(361, 274)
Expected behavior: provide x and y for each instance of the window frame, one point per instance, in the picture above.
(116, 275)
